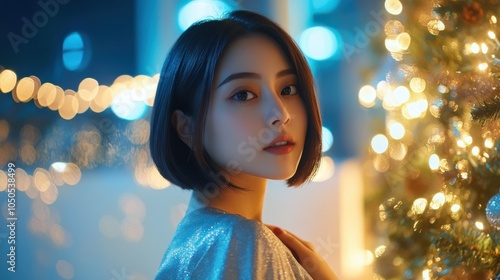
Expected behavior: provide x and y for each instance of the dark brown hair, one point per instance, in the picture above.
(186, 82)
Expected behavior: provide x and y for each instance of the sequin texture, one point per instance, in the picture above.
(212, 244)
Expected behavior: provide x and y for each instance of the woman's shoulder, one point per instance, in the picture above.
(211, 242)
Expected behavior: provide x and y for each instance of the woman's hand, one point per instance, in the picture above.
(306, 255)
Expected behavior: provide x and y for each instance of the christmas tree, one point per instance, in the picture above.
(435, 162)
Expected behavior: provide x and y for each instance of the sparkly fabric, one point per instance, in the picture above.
(212, 244)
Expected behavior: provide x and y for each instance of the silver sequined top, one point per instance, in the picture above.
(212, 244)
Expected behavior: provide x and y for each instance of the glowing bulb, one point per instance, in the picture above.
(379, 143)
(482, 66)
(396, 130)
(403, 40)
(8, 80)
(437, 200)
(367, 95)
(484, 48)
(475, 150)
(402, 94)
(419, 206)
(492, 34)
(479, 225)
(393, 7)
(417, 84)
(455, 208)
(474, 48)
(434, 162)
(488, 143)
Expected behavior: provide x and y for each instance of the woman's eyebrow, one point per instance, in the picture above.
(251, 75)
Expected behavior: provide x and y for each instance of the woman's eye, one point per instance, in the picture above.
(289, 90)
(243, 96)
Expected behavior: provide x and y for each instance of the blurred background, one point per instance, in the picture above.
(78, 79)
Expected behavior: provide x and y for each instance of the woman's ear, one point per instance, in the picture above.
(183, 126)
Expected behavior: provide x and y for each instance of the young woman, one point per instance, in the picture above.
(235, 107)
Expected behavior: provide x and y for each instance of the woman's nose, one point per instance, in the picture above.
(278, 113)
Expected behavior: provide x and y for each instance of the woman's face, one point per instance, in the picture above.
(255, 102)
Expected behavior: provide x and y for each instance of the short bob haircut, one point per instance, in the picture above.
(186, 82)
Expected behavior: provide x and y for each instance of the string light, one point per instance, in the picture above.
(90, 95)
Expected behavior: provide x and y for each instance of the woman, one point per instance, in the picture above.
(236, 106)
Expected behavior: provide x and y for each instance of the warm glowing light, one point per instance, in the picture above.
(379, 143)
(479, 225)
(417, 84)
(434, 162)
(25, 89)
(41, 178)
(468, 139)
(47, 94)
(71, 174)
(418, 206)
(475, 150)
(493, 19)
(415, 109)
(392, 45)
(49, 196)
(488, 143)
(382, 89)
(8, 80)
(454, 208)
(437, 200)
(474, 48)
(402, 94)
(379, 251)
(69, 107)
(403, 40)
(492, 34)
(88, 89)
(482, 66)
(396, 130)
(434, 26)
(398, 151)
(326, 169)
(461, 143)
(367, 95)
(484, 48)
(393, 7)
(426, 274)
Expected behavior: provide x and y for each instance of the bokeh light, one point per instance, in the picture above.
(320, 43)
(327, 139)
(197, 10)
(379, 143)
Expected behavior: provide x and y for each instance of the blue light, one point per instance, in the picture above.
(126, 106)
(320, 43)
(327, 138)
(74, 56)
(201, 9)
(324, 6)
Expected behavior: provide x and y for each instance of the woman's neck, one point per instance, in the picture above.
(248, 204)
